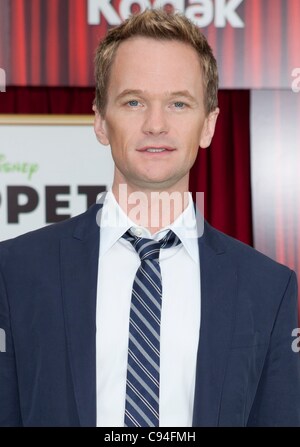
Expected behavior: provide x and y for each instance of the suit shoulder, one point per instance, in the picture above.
(41, 234)
(44, 239)
(249, 258)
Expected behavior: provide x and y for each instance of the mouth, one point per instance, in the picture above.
(156, 149)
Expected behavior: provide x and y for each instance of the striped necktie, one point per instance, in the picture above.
(142, 384)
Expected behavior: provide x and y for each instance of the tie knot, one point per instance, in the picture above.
(149, 248)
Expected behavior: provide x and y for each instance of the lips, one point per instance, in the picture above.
(156, 149)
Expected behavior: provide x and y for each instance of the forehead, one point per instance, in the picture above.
(146, 63)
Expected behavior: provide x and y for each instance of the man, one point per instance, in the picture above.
(137, 325)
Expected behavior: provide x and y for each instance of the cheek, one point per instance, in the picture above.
(114, 132)
(122, 138)
(189, 129)
(189, 140)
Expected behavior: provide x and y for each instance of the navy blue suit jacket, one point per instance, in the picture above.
(247, 372)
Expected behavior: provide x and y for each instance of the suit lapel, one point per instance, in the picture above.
(218, 300)
(79, 272)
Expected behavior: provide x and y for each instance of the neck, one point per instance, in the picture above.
(151, 209)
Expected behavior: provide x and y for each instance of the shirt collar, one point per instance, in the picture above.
(185, 227)
(115, 222)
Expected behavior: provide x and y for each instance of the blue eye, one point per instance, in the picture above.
(179, 104)
(133, 103)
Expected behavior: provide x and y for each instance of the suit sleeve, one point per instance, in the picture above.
(10, 415)
(277, 400)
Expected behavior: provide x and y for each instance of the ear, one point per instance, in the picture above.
(209, 128)
(100, 127)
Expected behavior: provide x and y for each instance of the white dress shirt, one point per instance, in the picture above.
(180, 316)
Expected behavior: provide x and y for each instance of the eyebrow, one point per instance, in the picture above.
(181, 93)
(184, 94)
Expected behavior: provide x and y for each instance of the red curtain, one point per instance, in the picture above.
(56, 100)
(222, 171)
(51, 43)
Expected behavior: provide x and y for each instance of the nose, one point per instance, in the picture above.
(156, 122)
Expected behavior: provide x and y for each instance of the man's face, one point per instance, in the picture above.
(155, 118)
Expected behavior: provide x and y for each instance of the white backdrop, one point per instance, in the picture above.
(275, 172)
(39, 157)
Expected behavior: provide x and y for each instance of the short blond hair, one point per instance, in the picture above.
(160, 25)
